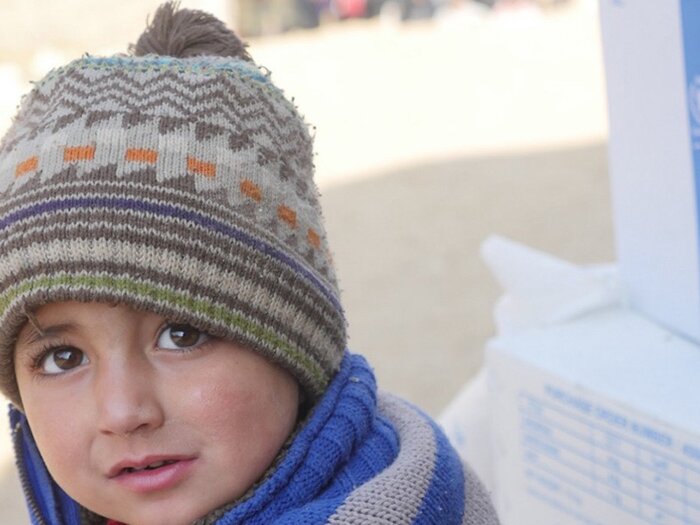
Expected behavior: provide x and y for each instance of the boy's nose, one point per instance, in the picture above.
(127, 397)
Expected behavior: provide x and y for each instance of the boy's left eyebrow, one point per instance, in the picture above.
(40, 333)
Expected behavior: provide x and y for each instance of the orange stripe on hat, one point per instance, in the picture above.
(251, 189)
(288, 215)
(208, 169)
(313, 238)
(31, 164)
(149, 156)
(73, 153)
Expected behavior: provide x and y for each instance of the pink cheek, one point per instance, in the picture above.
(62, 445)
(219, 406)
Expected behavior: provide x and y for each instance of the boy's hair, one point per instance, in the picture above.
(176, 179)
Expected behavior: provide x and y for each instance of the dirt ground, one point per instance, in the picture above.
(430, 137)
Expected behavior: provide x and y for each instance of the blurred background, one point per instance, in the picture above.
(437, 123)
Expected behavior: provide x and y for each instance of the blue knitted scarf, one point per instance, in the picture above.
(359, 458)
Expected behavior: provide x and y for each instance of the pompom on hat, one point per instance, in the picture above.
(178, 180)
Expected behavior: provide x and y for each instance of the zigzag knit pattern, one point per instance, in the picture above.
(361, 458)
(178, 186)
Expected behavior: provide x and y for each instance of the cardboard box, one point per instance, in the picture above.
(652, 63)
(597, 422)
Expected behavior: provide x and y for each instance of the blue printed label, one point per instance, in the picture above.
(590, 461)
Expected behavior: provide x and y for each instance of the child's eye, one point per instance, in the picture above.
(59, 360)
(181, 337)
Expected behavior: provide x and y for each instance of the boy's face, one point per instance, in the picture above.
(109, 391)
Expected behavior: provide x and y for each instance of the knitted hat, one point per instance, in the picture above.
(176, 180)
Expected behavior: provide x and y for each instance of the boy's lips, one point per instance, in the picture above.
(146, 464)
(151, 473)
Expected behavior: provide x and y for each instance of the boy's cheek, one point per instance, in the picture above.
(240, 409)
(63, 442)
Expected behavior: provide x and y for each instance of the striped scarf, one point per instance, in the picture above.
(361, 457)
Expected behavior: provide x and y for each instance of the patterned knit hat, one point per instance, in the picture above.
(177, 180)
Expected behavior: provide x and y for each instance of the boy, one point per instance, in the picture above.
(171, 336)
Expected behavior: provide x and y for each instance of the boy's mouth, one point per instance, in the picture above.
(147, 464)
(153, 466)
(153, 473)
